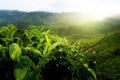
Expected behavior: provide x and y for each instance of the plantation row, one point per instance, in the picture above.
(35, 54)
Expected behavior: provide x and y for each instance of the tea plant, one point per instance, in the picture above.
(35, 54)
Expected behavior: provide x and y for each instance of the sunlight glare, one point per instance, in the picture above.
(94, 8)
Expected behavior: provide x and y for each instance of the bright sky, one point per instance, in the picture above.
(96, 8)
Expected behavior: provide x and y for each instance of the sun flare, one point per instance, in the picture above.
(96, 9)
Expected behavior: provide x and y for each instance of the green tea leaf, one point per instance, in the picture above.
(54, 45)
(15, 52)
(26, 61)
(20, 73)
(47, 45)
(45, 50)
(48, 31)
(34, 50)
(47, 40)
(93, 73)
(0, 47)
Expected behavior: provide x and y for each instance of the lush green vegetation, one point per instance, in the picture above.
(38, 55)
(106, 56)
(59, 48)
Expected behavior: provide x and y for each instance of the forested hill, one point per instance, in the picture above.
(23, 18)
(38, 18)
(7, 17)
(62, 22)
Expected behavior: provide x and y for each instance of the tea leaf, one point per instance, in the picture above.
(93, 73)
(15, 52)
(54, 45)
(34, 50)
(20, 73)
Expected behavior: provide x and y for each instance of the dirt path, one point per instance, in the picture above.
(90, 48)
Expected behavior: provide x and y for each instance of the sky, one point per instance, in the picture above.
(96, 8)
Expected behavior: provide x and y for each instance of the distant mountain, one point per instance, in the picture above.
(7, 17)
(23, 18)
(37, 18)
(48, 19)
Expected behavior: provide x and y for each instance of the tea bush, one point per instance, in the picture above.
(35, 54)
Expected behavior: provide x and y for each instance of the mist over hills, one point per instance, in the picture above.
(40, 18)
(62, 22)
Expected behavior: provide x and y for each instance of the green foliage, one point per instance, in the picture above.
(35, 54)
(105, 58)
(20, 73)
(15, 52)
(34, 50)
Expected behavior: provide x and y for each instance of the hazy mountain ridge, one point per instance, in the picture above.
(39, 18)
(57, 21)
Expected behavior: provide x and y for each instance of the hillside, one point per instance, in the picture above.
(60, 22)
(8, 17)
(35, 18)
(105, 57)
